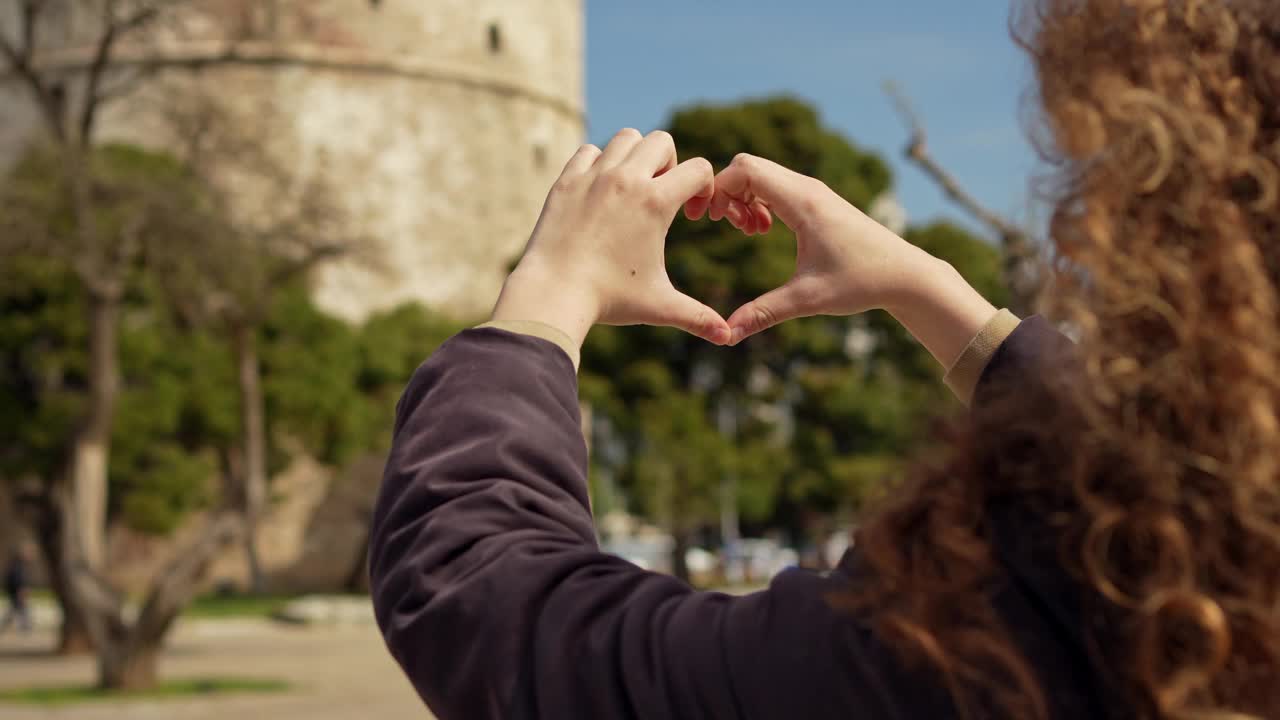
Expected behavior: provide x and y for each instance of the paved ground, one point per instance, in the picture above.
(336, 673)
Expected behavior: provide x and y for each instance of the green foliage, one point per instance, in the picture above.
(133, 192)
(330, 387)
(42, 364)
(807, 423)
(220, 606)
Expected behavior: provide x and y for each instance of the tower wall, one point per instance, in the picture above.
(441, 123)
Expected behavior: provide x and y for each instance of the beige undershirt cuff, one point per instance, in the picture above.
(551, 334)
(964, 375)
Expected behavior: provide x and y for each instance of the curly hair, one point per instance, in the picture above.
(1151, 457)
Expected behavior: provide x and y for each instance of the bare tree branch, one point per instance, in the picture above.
(113, 28)
(140, 73)
(1022, 260)
(311, 258)
(917, 151)
(30, 13)
(21, 63)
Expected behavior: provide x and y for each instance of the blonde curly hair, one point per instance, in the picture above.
(1151, 456)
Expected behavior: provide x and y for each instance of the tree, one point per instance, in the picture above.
(239, 255)
(1024, 273)
(103, 250)
(810, 415)
(137, 197)
(329, 390)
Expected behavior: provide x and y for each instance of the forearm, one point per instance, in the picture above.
(940, 309)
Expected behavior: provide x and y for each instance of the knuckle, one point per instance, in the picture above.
(745, 160)
(762, 317)
(626, 133)
(663, 137)
(589, 149)
(619, 180)
(563, 185)
(654, 203)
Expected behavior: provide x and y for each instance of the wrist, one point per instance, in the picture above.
(921, 280)
(536, 293)
(940, 308)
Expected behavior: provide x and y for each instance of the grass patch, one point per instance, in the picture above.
(235, 606)
(191, 687)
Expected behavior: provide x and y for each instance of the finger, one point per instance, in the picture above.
(581, 160)
(737, 214)
(787, 193)
(683, 312)
(763, 216)
(656, 154)
(719, 206)
(750, 225)
(790, 301)
(696, 208)
(619, 148)
(692, 179)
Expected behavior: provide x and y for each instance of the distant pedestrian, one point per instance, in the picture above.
(16, 579)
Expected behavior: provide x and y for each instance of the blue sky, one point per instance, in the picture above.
(954, 58)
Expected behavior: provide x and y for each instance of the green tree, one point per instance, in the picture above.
(330, 392)
(812, 414)
(99, 226)
(130, 200)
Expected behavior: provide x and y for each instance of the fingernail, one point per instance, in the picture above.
(736, 336)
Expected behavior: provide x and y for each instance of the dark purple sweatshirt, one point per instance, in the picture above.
(495, 598)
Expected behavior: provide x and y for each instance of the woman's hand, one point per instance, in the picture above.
(846, 263)
(597, 252)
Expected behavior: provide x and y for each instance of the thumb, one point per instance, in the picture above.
(788, 302)
(681, 311)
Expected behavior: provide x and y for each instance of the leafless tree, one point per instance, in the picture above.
(1023, 263)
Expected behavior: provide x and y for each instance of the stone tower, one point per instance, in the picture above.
(441, 122)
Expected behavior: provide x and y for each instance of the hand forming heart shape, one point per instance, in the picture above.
(597, 253)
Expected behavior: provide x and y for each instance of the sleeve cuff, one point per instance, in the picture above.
(963, 376)
(539, 330)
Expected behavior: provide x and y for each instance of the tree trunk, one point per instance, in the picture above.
(73, 635)
(679, 549)
(76, 520)
(254, 441)
(358, 577)
(91, 446)
(127, 659)
(128, 667)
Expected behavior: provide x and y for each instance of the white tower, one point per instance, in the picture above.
(441, 122)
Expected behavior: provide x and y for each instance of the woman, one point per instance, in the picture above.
(1101, 540)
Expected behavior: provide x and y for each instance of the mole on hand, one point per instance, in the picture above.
(633, 272)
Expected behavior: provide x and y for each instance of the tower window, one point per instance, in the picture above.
(495, 38)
